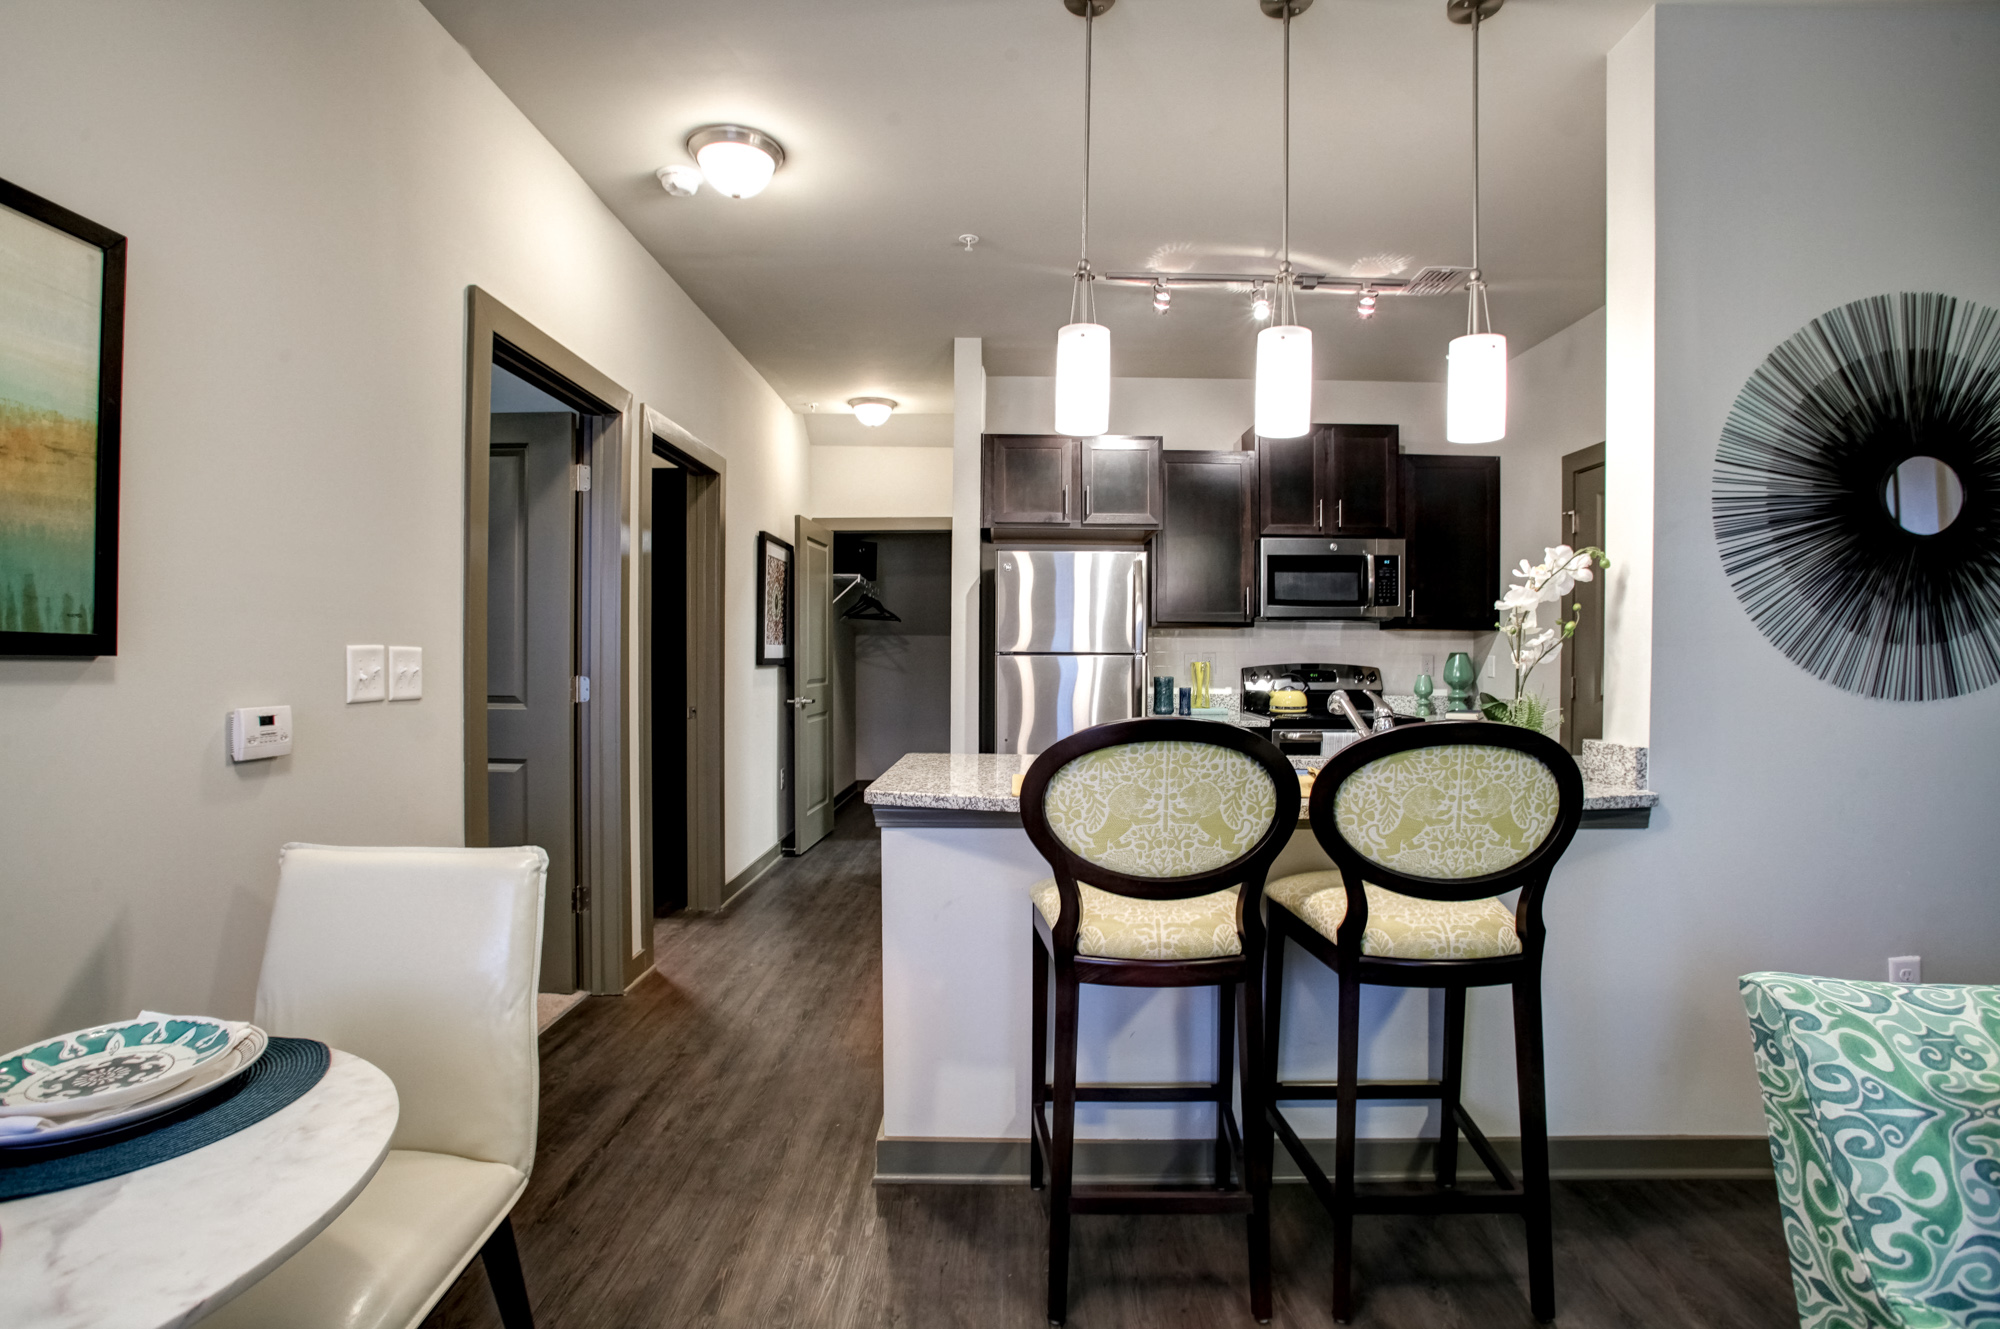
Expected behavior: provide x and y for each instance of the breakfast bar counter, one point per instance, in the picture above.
(957, 868)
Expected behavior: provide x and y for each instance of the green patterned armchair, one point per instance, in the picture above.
(1884, 1108)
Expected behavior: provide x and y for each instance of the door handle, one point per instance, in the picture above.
(791, 701)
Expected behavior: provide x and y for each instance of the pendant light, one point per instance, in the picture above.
(1284, 350)
(1475, 395)
(1083, 346)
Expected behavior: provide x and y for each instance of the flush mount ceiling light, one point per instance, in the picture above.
(736, 160)
(872, 411)
(1083, 345)
(1284, 351)
(1475, 395)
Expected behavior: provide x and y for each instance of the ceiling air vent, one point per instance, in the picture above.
(1436, 281)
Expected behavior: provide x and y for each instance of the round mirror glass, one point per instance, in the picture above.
(1923, 495)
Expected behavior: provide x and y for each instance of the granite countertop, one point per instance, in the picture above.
(984, 782)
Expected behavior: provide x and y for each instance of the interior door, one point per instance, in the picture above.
(812, 686)
(530, 661)
(1583, 657)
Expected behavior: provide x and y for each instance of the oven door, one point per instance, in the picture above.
(1314, 579)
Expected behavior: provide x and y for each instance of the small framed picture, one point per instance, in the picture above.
(62, 326)
(774, 600)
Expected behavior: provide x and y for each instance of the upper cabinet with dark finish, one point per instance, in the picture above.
(1121, 480)
(1204, 558)
(1336, 480)
(1451, 539)
(1028, 479)
(1056, 482)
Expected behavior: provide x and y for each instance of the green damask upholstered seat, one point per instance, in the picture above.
(1118, 927)
(1401, 927)
(1883, 1103)
(1160, 809)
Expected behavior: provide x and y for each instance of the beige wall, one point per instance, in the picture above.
(309, 190)
(880, 482)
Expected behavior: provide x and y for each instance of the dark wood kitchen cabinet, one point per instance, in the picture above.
(1055, 482)
(1204, 557)
(1451, 542)
(1336, 480)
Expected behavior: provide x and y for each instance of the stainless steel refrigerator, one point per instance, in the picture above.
(1069, 642)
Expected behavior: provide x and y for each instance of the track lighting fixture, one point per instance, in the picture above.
(1083, 346)
(1260, 303)
(1162, 297)
(1364, 304)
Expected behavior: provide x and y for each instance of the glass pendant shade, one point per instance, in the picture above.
(1083, 379)
(740, 170)
(1475, 394)
(1284, 382)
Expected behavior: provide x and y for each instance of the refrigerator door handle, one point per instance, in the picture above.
(1139, 605)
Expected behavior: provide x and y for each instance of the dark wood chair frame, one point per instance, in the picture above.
(1343, 1199)
(1239, 1027)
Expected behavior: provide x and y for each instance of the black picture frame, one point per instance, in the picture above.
(100, 634)
(776, 572)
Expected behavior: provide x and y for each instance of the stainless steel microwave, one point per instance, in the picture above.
(1328, 577)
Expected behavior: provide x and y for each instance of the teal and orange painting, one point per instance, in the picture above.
(51, 309)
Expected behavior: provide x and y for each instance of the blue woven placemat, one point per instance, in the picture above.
(288, 1068)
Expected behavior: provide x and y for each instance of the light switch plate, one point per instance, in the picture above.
(406, 673)
(257, 732)
(367, 679)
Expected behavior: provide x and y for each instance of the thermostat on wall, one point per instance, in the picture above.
(256, 732)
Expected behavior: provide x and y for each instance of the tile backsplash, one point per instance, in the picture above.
(1399, 655)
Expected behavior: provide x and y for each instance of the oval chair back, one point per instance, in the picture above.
(1160, 809)
(1448, 812)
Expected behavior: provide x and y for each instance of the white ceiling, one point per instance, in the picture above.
(909, 122)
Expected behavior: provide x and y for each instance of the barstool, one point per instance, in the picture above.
(1426, 825)
(1160, 833)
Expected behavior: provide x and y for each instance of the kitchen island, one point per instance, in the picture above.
(956, 871)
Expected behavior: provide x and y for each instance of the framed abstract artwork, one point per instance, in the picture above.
(62, 332)
(774, 600)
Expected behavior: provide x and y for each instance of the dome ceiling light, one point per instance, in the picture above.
(1475, 394)
(735, 160)
(872, 411)
(1083, 345)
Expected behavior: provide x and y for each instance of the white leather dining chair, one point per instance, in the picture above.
(424, 962)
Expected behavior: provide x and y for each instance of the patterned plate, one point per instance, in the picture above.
(207, 1076)
(108, 1066)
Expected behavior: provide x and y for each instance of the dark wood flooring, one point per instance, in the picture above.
(707, 1144)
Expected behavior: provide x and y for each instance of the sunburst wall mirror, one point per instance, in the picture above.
(1857, 497)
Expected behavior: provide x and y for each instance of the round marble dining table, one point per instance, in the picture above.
(167, 1244)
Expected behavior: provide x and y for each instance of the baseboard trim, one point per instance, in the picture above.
(1141, 1162)
(747, 878)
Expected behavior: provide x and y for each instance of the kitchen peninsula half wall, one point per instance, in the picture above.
(957, 869)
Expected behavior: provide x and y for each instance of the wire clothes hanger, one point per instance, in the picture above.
(868, 607)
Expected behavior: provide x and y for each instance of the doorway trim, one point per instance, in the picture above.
(1574, 464)
(707, 549)
(602, 788)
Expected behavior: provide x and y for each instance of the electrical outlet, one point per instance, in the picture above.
(1906, 969)
(367, 673)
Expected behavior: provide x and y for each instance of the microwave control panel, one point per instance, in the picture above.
(1388, 580)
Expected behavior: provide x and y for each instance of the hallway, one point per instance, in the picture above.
(706, 1154)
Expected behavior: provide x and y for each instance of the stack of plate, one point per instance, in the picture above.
(96, 1080)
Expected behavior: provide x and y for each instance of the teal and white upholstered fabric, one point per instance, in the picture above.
(1161, 809)
(1883, 1102)
(1457, 810)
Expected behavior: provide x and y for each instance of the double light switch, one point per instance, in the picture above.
(378, 673)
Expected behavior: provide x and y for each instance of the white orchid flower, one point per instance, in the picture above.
(1519, 597)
